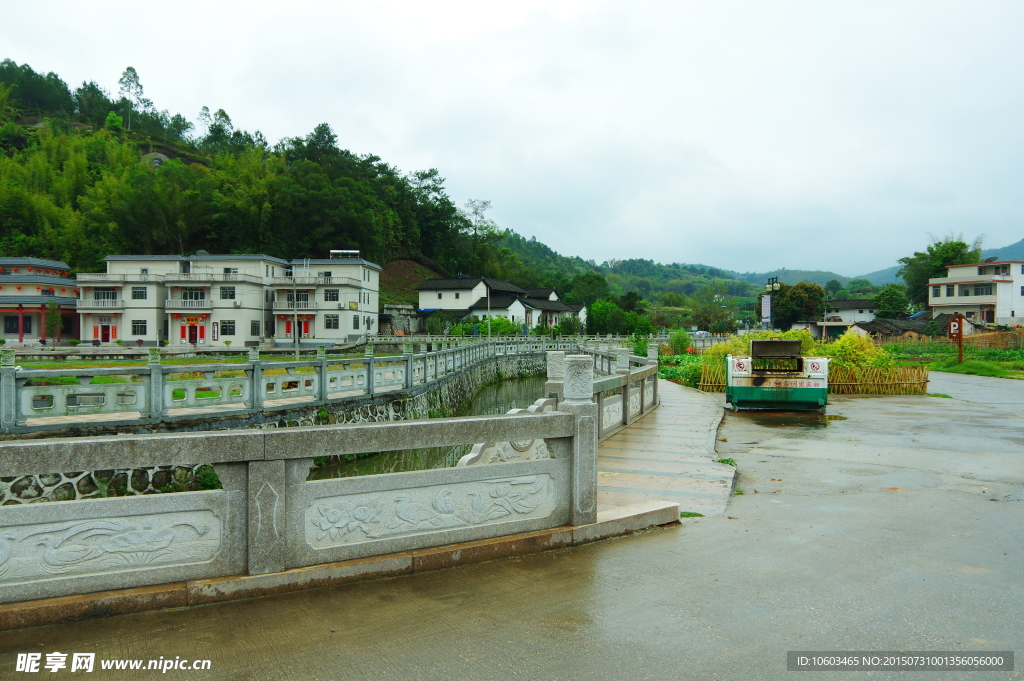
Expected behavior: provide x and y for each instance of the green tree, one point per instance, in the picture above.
(709, 307)
(932, 262)
(52, 323)
(113, 122)
(892, 302)
(833, 285)
(131, 90)
(800, 302)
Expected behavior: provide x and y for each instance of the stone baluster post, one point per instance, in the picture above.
(321, 369)
(652, 354)
(578, 388)
(8, 391)
(622, 361)
(556, 375)
(156, 384)
(256, 399)
(408, 352)
(369, 369)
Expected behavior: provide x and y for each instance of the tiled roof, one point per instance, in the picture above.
(35, 302)
(33, 262)
(177, 258)
(545, 304)
(540, 292)
(466, 283)
(499, 302)
(851, 304)
(891, 327)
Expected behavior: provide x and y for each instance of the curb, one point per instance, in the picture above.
(610, 523)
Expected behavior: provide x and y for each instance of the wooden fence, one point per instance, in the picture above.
(998, 340)
(842, 381)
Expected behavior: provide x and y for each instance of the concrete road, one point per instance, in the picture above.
(895, 525)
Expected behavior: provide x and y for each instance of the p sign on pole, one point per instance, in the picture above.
(956, 332)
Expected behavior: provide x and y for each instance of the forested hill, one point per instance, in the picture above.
(84, 174)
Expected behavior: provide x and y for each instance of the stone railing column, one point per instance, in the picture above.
(408, 352)
(622, 361)
(652, 354)
(556, 375)
(321, 369)
(8, 391)
(267, 489)
(578, 388)
(256, 403)
(369, 369)
(156, 384)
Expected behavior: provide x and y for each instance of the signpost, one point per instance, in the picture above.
(956, 332)
(766, 302)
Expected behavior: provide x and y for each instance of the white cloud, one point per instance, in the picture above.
(747, 135)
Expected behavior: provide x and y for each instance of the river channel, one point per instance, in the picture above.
(517, 393)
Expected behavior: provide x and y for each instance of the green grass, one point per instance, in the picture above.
(972, 367)
(690, 514)
(728, 462)
(938, 395)
(739, 492)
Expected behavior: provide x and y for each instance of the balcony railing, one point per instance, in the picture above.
(188, 305)
(317, 281)
(199, 277)
(104, 276)
(92, 304)
(299, 305)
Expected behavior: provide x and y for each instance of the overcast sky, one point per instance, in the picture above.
(748, 135)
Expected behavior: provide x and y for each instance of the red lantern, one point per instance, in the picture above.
(29, 269)
(76, 290)
(48, 272)
(15, 269)
(18, 287)
(63, 290)
(38, 288)
(177, 316)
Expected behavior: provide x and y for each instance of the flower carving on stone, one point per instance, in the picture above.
(343, 517)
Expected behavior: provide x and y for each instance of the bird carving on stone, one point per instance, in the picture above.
(5, 549)
(57, 556)
(407, 512)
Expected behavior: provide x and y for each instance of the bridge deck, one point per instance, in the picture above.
(667, 455)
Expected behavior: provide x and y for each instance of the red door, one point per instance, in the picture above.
(104, 333)
(193, 334)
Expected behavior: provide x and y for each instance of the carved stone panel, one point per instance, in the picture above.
(76, 548)
(634, 401)
(357, 518)
(612, 414)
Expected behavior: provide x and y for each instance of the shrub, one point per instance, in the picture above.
(74, 341)
(120, 342)
(678, 342)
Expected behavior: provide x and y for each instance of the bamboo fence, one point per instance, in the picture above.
(999, 340)
(842, 381)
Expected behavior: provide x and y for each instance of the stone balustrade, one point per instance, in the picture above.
(269, 516)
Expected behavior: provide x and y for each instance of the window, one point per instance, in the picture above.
(270, 328)
(331, 294)
(1022, 290)
(254, 327)
(983, 289)
(439, 295)
(10, 325)
(193, 294)
(326, 275)
(230, 270)
(47, 292)
(227, 327)
(355, 321)
(331, 321)
(144, 270)
(950, 290)
(860, 311)
(186, 267)
(965, 290)
(138, 327)
(138, 292)
(936, 291)
(104, 294)
(456, 295)
(981, 270)
(227, 292)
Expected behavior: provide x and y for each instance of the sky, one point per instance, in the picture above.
(747, 135)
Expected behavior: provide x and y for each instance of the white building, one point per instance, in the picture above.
(27, 287)
(237, 299)
(481, 297)
(840, 315)
(985, 292)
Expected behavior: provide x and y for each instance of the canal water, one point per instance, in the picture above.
(517, 393)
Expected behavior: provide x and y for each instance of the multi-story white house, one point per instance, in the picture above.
(27, 287)
(984, 292)
(237, 299)
(840, 315)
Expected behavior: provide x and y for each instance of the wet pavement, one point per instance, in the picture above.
(897, 528)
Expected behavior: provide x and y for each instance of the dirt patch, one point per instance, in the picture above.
(399, 279)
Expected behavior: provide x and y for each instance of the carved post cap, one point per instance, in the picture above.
(652, 353)
(254, 354)
(7, 358)
(579, 378)
(369, 350)
(556, 365)
(153, 356)
(321, 352)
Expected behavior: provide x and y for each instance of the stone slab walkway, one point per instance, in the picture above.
(667, 455)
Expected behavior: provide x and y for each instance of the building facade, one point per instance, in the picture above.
(841, 314)
(32, 290)
(984, 292)
(236, 299)
(482, 297)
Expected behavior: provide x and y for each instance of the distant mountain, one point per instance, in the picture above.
(1011, 252)
(883, 277)
(819, 277)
